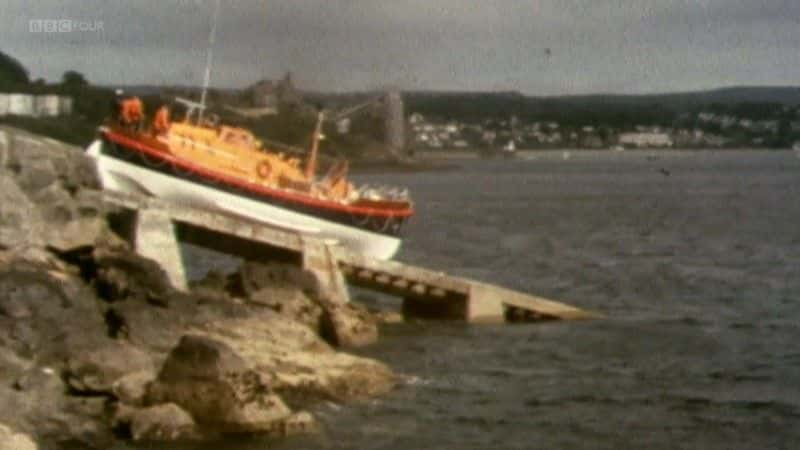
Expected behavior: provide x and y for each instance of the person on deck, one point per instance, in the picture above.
(116, 105)
(161, 120)
(132, 112)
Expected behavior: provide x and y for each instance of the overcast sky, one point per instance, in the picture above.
(539, 47)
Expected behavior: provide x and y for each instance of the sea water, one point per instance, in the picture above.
(694, 257)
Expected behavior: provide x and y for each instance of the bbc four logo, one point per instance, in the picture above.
(64, 26)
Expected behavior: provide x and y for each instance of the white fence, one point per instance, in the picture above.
(48, 105)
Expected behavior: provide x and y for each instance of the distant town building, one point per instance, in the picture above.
(416, 118)
(343, 126)
(276, 94)
(641, 140)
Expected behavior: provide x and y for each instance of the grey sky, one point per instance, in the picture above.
(622, 46)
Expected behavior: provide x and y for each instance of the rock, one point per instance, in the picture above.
(11, 366)
(95, 371)
(82, 232)
(9, 440)
(291, 303)
(38, 379)
(36, 174)
(21, 223)
(5, 149)
(289, 290)
(348, 325)
(255, 276)
(216, 386)
(197, 357)
(69, 164)
(165, 422)
(132, 388)
(69, 287)
(297, 363)
(35, 303)
(300, 422)
(37, 404)
(122, 274)
(389, 317)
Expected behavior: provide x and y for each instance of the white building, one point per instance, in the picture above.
(46, 105)
(28, 105)
(20, 104)
(4, 105)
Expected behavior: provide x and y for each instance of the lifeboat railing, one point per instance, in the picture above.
(369, 192)
(192, 108)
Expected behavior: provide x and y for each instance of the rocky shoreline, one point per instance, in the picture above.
(96, 345)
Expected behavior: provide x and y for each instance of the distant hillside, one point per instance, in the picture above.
(600, 108)
(681, 100)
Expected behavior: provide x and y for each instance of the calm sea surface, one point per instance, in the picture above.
(695, 259)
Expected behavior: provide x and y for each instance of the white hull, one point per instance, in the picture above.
(121, 176)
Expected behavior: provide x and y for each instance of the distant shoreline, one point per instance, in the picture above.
(444, 155)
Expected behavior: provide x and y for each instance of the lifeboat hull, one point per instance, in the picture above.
(151, 178)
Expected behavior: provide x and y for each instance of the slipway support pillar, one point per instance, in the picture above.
(154, 238)
(483, 304)
(319, 259)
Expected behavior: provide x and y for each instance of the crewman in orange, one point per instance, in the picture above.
(132, 112)
(161, 120)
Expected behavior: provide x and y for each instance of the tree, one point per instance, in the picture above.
(73, 79)
(11, 71)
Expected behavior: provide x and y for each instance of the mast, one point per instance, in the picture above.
(311, 165)
(209, 57)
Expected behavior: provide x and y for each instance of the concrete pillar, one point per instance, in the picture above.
(395, 122)
(319, 259)
(484, 304)
(154, 238)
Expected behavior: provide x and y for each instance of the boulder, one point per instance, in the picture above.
(95, 371)
(215, 385)
(10, 440)
(348, 325)
(131, 389)
(290, 291)
(200, 358)
(123, 274)
(255, 276)
(165, 422)
(297, 364)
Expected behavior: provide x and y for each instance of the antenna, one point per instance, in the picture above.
(209, 57)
